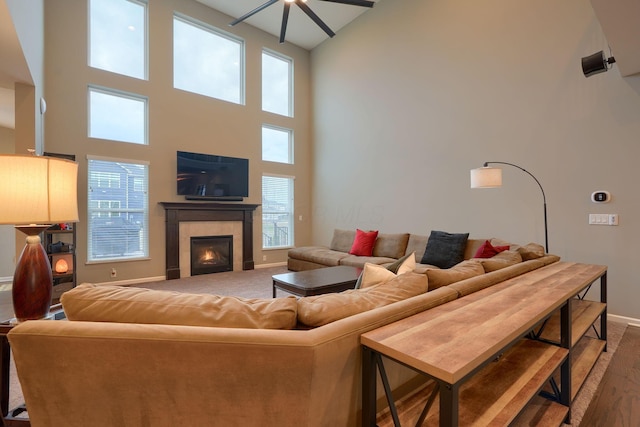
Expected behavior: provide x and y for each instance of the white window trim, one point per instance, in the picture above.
(292, 86)
(123, 94)
(207, 27)
(119, 260)
(291, 143)
(143, 3)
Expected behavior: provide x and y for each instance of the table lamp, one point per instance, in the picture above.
(35, 192)
(488, 177)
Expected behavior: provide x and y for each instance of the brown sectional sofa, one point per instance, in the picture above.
(106, 369)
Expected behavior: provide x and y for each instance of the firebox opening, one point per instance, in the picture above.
(211, 254)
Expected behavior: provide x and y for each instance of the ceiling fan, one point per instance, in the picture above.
(301, 4)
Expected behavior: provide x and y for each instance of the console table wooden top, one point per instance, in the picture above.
(449, 341)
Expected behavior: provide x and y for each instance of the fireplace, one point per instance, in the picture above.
(211, 254)
(180, 213)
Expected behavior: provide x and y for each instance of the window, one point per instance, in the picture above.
(277, 211)
(117, 36)
(117, 214)
(277, 144)
(117, 116)
(277, 84)
(207, 61)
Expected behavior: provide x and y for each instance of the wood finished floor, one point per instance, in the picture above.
(617, 400)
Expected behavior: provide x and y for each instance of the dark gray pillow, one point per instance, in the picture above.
(445, 250)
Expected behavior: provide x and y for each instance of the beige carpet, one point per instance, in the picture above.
(258, 284)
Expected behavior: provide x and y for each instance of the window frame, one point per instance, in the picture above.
(121, 94)
(291, 97)
(290, 142)
(291, 211)
(114, 213)
(220, 33)
(145, 59)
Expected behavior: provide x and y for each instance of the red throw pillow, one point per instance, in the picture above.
(487, 250)
(363, 243)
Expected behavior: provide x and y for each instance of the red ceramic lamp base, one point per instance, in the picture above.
(32, 280)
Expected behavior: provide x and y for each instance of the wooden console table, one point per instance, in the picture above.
(456, 343)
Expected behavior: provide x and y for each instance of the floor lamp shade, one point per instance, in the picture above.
(35, 192)
(486, 177)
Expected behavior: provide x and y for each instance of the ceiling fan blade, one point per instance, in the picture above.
(315, 18)
(362, 3)
(285, 19)
(253, 12)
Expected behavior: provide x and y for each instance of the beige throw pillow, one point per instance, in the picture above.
(106, 303)
(531, 251)
(374, 274)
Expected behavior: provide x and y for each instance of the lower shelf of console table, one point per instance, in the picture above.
(495, 395)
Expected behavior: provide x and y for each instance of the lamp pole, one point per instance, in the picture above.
(544, 198)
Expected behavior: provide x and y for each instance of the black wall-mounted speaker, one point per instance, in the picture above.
(596, 63)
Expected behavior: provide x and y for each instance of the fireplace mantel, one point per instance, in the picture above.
(177, 212)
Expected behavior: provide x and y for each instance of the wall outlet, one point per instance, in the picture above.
(114, 272)
(264, 257)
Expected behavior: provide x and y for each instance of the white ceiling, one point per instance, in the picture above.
(301, 30)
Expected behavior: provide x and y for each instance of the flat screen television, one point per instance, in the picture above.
(211, 177)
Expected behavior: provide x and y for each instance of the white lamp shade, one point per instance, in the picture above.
(486, 177)
(38, 190)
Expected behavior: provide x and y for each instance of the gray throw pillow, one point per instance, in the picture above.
(445, 250)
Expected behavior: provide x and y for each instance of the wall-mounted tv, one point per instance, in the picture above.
(211, 177)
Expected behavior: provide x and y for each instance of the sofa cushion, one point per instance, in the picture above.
(107, 303)
(444, 249)
(360, 261)
(391, 245)
(363, 243)
(417, 244)
(487, 250)
(531, 251)
(342, 240)
(318, 255)
(461, 271)
(499, 261)
(322, 309)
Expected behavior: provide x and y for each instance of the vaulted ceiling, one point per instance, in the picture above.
(301, 30)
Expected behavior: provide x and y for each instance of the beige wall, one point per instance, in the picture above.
(177, 121)
(7, 232)
(415, 93)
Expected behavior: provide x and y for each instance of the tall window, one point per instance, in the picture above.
(117, 116)
(207, 61)
(118, 210)
(117, 36)
(277, 84)
(277, 144)
(277, 212)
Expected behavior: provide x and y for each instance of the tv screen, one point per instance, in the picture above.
(212, 177)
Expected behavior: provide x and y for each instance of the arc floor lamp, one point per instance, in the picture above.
(488, 177)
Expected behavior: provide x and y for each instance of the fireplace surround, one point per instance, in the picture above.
(178, 212)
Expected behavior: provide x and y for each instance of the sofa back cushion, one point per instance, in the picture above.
(107, 303)
(342, 240)
(323, 309)
(461, 271)
(502, 260)
(391, 245)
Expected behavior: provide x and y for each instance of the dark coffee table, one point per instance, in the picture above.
(318, 281)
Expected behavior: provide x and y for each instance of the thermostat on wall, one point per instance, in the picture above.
(600, 197)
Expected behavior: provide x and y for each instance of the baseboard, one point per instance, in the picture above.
(132, 281)
(622, 319)
(275, 264)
